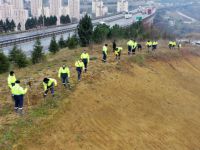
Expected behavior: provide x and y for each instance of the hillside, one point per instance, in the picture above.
(137, 103)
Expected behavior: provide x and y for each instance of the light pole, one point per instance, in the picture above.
(43, 12)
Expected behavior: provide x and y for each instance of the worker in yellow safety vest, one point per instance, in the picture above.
(170, 44)
(154, 45)
(118, 52)
(18, 93)
(174, 44)
(130, 45)
(134, 46)
(64, 74)
(11, 81)
(149, 45)
(105, 52)
(85, 59)
(79, 68)
(48, 84)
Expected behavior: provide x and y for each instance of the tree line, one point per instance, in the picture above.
(86, 35)
(46, 21)
(8, 26)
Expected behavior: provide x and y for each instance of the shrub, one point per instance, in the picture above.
(4, 62)
(53, 48)
(18, 57)
(37, 55)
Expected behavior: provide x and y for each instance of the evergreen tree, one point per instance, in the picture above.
(4, 62)
(61, 42)
(68, 20)
(85, 29)
(53, 48)
(12, 25)
(19, 27)
(72, 42)
(37, 55)
(18, 57)
(100, 33)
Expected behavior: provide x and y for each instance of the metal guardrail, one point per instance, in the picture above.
(10, 42)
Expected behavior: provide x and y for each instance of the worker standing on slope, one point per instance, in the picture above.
(134, 46)
(149, 45)
(49, 84)
(85, 59)
(11, 81)
(105, 52)
(154, 45)
(118, 52)
(130, 44)
(79, 68)
(64, 74)
(114, 45)
(18, 93)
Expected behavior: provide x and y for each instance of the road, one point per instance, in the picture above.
(28, 46)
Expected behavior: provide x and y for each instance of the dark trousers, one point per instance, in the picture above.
(85, 61)
(19, 100)
(133, 50)
(51, 88)
(104, 57)
(79, 72)
(154, 47)
(129, 50)
(65, 79)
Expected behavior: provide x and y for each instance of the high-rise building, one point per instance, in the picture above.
(94, 5)
(100, 8)
(55, 7)
(36, 8)
(18, 4)
(122, 6)
(74, 8)
(14, 10)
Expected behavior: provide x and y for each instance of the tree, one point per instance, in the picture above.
(61, 42)
(19, 27)
(53, 48)
(100, 33)
(37, 55)
(12, 25)
(116, 32)
(4, 62)
(18, 57)
(72, 42)
(65, 19)
(85, 30)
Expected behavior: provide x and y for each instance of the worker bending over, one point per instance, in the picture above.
(85, 59)
(64, 74)
(18, 93)
(79, 68)
(105, 52)
(49, 84)
(118, 52)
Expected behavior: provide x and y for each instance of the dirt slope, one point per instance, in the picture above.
(154, 107)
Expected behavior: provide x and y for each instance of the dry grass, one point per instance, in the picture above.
(119, 105)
